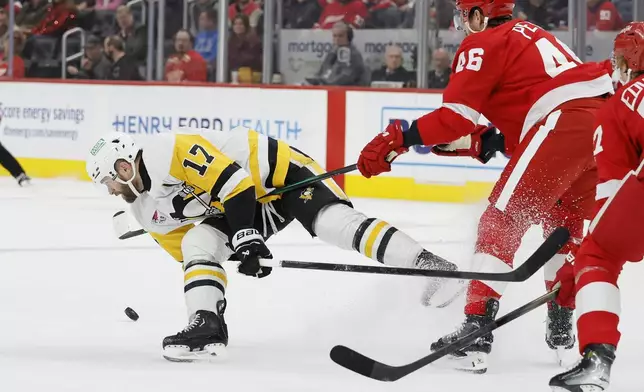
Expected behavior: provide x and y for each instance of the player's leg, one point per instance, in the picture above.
(13, 167)
(569, 211)
(541, 170)
(615, 236)
(204, 249)
(326, 212)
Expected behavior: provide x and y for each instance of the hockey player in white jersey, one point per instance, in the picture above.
(215, 179)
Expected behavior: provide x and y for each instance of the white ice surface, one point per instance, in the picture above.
(65, 281)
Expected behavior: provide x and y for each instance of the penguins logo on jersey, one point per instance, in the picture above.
(307, 194)
(191, 203)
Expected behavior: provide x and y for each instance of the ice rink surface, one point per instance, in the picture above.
(65, 281)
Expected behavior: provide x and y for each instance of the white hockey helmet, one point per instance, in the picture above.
(102, 158)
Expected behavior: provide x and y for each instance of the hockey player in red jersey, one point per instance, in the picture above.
(616, 234)
(543, 99)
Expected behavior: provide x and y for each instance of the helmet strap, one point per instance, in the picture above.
(129, 182)
(467, 26)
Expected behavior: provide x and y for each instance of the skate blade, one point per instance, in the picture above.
(210, 352)
(578, 388)
(474, 363)
(441, 294)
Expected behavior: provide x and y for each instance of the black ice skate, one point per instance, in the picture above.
(205, 337)
(439, 292)
(592, 373)
(559, 334)
(472, 359)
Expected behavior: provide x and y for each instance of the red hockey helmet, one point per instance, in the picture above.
(491, 8)
(629, 44)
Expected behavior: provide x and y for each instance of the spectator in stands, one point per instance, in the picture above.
(352, 12)
(32, 13)
(558, 13)
(383, 14)
(535, 11)
(250, 8)
(185, 65)
(439, 76)
(86, 14)
(302, 14)
(111, 5)
(244, 48)
(124, 66)
(603, 16)
(206, 40)
(18, 62)
(343, 65)
(441, 13)
(393, 70)
(60, 17)
(625, 9)
(200, 7)
(94, 65)
(134, 36)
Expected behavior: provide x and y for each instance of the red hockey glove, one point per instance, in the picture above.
(482, 145)
(376, 157)
(566, 277)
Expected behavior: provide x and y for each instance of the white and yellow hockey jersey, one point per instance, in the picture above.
(193, 175)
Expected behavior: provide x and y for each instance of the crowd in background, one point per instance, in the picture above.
(116, 47)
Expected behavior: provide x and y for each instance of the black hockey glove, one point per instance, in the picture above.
(250, 247)
(492, 141)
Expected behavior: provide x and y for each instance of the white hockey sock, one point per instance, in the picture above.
(204, 278)
(346, 228)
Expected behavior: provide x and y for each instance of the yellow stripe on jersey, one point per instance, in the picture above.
(303, 160)
(281, 164)
(253, 162)
(202, 165)
(368, 247)
(330, 183)
(171, 242)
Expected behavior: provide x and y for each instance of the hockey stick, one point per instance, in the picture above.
(310, 180)
(368, 367)
(545, 252)
(321, 177)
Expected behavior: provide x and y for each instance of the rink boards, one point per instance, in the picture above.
(50, 126)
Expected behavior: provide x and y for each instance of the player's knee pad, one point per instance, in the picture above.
(618, 227)
(343, 226)
(205, 280)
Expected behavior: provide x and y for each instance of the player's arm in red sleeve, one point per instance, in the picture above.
(478, 67)
(475, 73)
(615, 154)
(361, 14)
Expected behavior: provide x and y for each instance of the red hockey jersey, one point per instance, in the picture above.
(619, 137)
(353, 12)
(515, 75)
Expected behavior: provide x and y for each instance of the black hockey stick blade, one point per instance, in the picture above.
(545, 252)
(131, 234)
(368, 367)
(310, 180)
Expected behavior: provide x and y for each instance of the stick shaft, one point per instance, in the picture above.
(310, 180)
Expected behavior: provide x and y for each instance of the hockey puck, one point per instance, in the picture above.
(129, 312)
